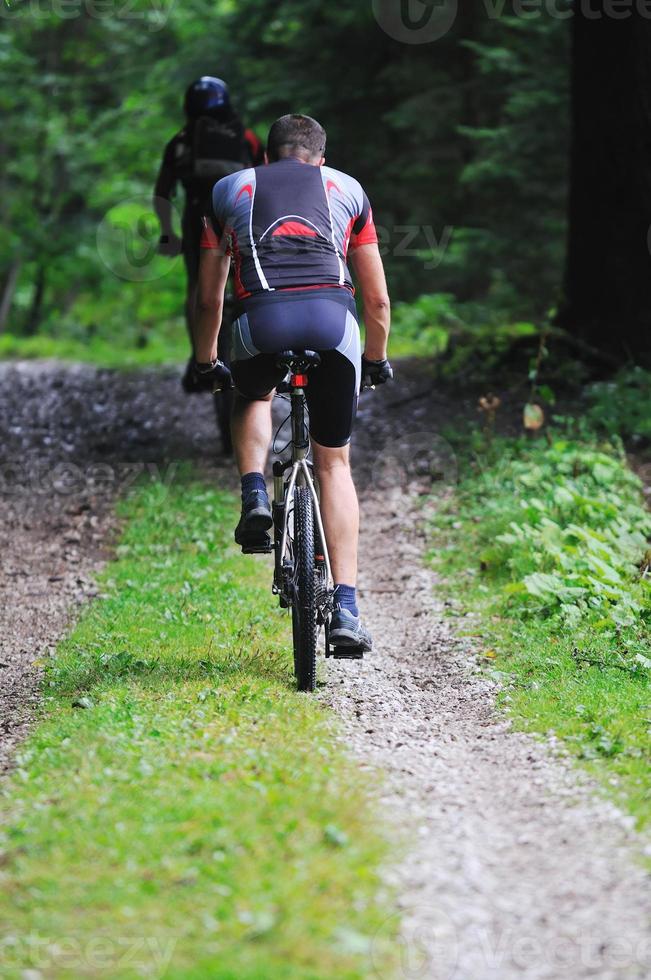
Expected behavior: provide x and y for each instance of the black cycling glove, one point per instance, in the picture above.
(375, 372)
(212, 376)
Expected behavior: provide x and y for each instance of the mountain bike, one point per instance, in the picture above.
(302, 573)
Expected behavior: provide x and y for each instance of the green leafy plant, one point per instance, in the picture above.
(547, 544)
(469, 338)
(622, 405)
(577, 532)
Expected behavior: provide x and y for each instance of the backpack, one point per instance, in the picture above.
(218, 149)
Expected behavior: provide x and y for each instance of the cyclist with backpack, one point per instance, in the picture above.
(212, 144)
(292, 227)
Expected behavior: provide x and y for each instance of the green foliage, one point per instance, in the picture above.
(470, 339)
(560, 582)
(472, 140)
(623, 405)
(576, 534)
(425, 326)
(137, 348)
(178, 802)
(516, 169)
(72, 146)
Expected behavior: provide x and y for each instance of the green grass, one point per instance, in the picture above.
(161, 347)
(180, 810)
(457, 337)
(545, 544)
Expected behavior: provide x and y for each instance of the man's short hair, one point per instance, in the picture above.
(296, 135)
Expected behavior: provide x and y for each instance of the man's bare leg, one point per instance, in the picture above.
(190, 303)
(339, 509)
(251, 431)
(340, 512)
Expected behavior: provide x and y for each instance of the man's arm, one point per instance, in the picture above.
(256, 149)
(163, 193)
(213, 276)
(369, 271)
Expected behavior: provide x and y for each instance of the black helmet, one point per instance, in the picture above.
(207, 96)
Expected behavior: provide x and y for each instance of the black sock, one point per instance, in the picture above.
(252, 481)
(345, 597)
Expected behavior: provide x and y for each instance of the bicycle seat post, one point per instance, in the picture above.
(298, 364)
(300, 439)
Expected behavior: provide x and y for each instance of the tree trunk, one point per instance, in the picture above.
(33, 319)
(608, 274)
(8, 293)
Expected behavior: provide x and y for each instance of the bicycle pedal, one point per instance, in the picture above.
(257, 546)
(348, 653)
(256, 550)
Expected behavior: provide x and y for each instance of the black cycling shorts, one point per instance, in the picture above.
(323, 320)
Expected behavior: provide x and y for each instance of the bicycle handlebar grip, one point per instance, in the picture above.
(375, 372)
(216, 377)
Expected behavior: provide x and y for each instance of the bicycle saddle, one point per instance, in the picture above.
(298, 362)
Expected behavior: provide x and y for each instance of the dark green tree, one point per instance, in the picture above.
(608, 278)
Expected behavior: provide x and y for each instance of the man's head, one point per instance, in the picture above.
(296, 136)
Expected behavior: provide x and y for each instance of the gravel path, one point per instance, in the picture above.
(514, 867)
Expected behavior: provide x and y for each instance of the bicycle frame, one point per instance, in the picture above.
(300, 476)
(301, 467)
(303, 574)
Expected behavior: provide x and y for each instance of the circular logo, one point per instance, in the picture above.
(415, 21)
(127, 242)
(427, 941)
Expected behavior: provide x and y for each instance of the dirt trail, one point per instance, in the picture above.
(72, 439)
(515, 868)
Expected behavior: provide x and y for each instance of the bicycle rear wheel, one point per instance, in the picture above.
(223, 401)
(304, 600)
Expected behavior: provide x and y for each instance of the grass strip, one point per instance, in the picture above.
(180, 810)
(545, 544)
(161, 348)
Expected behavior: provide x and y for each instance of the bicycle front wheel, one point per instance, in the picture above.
(304, 600)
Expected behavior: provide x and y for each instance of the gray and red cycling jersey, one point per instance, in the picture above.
(289, 225)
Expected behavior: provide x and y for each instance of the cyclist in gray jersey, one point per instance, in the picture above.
(291, 228)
